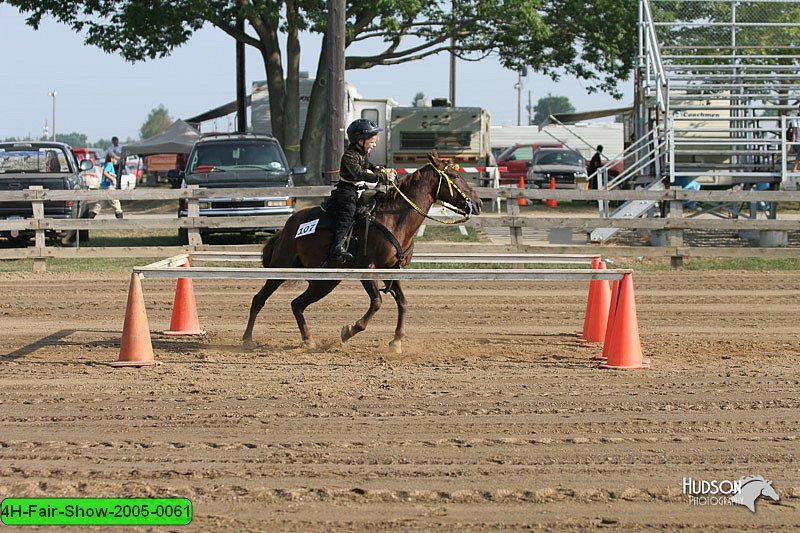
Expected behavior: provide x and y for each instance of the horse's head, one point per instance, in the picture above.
(452, 188)
(768, 491)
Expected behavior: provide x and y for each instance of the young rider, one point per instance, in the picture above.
(356, 175)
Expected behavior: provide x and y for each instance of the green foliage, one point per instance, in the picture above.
(550, 105)
(590, 39)
(451, 233)
(157, 121)
(419, 96)
(103, 143)
(74, 139)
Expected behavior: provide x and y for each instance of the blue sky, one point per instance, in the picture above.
(102, 95)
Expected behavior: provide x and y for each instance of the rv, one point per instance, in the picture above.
(457, 133)
(410, 132)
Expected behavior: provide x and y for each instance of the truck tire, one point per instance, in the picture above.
(22, 240)
(68, 237)
(183, 236)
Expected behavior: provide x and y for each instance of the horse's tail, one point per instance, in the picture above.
(269, 248)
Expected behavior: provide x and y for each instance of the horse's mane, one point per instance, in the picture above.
(746, 480)
(403, 181)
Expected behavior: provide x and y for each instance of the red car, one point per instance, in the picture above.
(517, 160)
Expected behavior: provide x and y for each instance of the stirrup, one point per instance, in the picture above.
(342, 258)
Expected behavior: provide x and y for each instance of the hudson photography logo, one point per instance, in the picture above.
(744, 491)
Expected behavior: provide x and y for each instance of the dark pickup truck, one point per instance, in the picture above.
(237, 160)
(51, 165)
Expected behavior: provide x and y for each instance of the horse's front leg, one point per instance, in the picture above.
(394, 287)
(258, 304)
(375, 301)
(315, 291)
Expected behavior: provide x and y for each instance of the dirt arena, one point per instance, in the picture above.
(493, 418)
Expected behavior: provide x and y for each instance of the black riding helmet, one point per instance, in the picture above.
(362, 128)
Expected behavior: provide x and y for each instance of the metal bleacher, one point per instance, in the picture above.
(717, 82)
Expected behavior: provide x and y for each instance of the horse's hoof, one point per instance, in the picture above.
(346, 333)
(248, 344)
(309, 343)
(396, 347)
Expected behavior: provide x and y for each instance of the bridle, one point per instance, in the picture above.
(443, 176)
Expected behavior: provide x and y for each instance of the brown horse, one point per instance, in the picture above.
(400, 212)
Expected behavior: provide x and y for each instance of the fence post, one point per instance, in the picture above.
(193, 208)
(512, 208)
(675, 236)
(37, 204)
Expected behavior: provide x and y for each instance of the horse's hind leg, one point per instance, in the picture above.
(374, 304)
(316, 291)
(258, 304)
(394, 287)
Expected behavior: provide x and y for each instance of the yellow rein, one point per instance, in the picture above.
(450, 185)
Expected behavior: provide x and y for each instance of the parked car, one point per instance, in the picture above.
(241, 160)
(51, 165)
(568, 167)
(517, 160)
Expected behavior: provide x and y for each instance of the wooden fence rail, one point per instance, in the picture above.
(513, 220)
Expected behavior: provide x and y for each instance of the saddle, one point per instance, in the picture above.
(365, 216)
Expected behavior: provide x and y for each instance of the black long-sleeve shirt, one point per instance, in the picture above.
(356, 168)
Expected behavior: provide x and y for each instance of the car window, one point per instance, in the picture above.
(33, 160)
(227, 156)
(523, 153)
(559, 158)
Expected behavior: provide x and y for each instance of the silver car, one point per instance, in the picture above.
(566, 167)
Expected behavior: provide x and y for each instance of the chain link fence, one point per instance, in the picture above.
(758, 32)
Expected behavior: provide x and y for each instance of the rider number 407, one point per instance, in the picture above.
(96, 511)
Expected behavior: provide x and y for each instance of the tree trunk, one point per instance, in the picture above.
(271, 52)
(292, 105)
(313, 144)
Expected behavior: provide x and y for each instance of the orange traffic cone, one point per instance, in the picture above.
(552, 202)
(597, 315)
(522, 200)
(589, 300)
(184, 310)
(626, 349)
(135, 348)
(612, 312)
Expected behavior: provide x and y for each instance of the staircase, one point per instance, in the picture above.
(717, 82)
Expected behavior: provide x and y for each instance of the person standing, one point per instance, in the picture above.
(109, 181)
(116, 149)
(594, 165)
(794, 122)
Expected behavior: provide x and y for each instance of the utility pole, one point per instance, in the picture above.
(453, 61)
(530, 109)
(334, 140)
(452, 71)
(241, 91)
(521, 73)
(53, 94)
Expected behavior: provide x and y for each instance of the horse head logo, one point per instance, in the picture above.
(751, 488)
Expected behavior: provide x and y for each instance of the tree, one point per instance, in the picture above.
(157, 121)
(550, 105)
(74, 139)
(553, 37)
(419, 96)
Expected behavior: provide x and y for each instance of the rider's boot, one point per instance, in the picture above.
(339, 252)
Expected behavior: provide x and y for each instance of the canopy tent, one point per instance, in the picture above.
(572, 118)
(177, 139)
